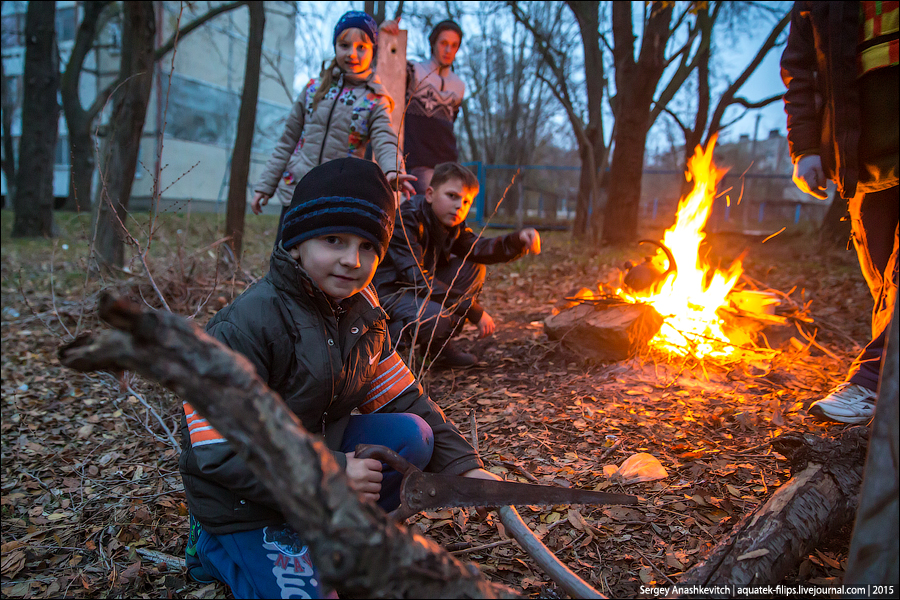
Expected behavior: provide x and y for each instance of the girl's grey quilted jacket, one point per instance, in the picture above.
(352, 112)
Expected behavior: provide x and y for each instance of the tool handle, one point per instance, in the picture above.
(385, 455)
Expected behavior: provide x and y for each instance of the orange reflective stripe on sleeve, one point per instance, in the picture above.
(392, 378)
(202, 433)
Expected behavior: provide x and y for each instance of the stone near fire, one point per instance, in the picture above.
(607, 333)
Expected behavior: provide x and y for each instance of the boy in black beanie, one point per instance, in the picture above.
(316, 334)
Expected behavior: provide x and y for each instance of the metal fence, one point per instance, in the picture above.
(517, 195)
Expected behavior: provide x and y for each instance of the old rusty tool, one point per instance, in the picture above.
(423, 491)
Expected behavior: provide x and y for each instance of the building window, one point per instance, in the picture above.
(62, 152)
(13, 30)
(66, 24)
(199, 112)
(14, 27)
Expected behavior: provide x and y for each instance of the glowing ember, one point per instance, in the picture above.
(689, 298)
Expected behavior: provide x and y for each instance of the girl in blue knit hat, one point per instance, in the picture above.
(336, 116)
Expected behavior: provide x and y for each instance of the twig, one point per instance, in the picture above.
(483, 546)
(610, 450)
(754, 448)
(31, 308)
(143, 257)
(528, 475)
(159, 419)
(812, 340)
(474, 431)
(655, 568)
(173, 562)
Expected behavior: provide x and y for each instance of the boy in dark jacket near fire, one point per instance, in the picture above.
(434, 269)
(315, 332)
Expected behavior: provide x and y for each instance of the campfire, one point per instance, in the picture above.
(688, 298)
(676, 300)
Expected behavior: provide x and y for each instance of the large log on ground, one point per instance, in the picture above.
(356, 547)
(606, 333)
(768, 543)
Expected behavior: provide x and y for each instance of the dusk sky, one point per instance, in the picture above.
(317, 20)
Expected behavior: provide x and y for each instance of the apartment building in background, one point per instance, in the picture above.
(192, 116)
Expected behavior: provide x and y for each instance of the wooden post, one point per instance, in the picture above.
(391, 68)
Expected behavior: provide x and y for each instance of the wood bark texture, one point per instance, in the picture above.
(243, 142)
(614, 333)
(40, 123)
(875, 547)
(78, 119)
(126, 126)
(768, 543)
(355, 546)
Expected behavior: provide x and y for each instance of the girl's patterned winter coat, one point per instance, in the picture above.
(349, 115)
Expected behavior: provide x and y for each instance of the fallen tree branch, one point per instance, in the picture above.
(769, 542)
(357, 549)
(560, 573)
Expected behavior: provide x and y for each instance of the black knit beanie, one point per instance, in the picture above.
(444, 26)
(347, 195)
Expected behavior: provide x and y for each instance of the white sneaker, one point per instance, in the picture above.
(847, 403)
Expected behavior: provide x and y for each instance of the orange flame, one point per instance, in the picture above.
(689, 298)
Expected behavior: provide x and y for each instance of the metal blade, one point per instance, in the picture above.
(422, 491)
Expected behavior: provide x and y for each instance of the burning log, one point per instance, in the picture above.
(769, 542)
(609, 333)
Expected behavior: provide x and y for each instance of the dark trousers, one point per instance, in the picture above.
(416, 318)
(874, 221)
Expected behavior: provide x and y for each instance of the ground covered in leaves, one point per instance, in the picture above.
(92, 503)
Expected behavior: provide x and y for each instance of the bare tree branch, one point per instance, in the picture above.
(759, 103)
(727, 98)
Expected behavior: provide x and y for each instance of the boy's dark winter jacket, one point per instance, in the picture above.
(421, 244)
(323, 366)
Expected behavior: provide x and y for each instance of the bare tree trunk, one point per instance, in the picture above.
(126, 126)
(355, 546)
(636, 83)
(874, 547)
(40, 125)
(243, 142)
(585, 193)
(377, 9)
(79, 120)
(593, 148)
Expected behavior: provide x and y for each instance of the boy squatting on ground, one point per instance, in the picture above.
(315, 332)
(433, 272)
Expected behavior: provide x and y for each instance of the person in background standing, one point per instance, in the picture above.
(434, 94)
(840, 69)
